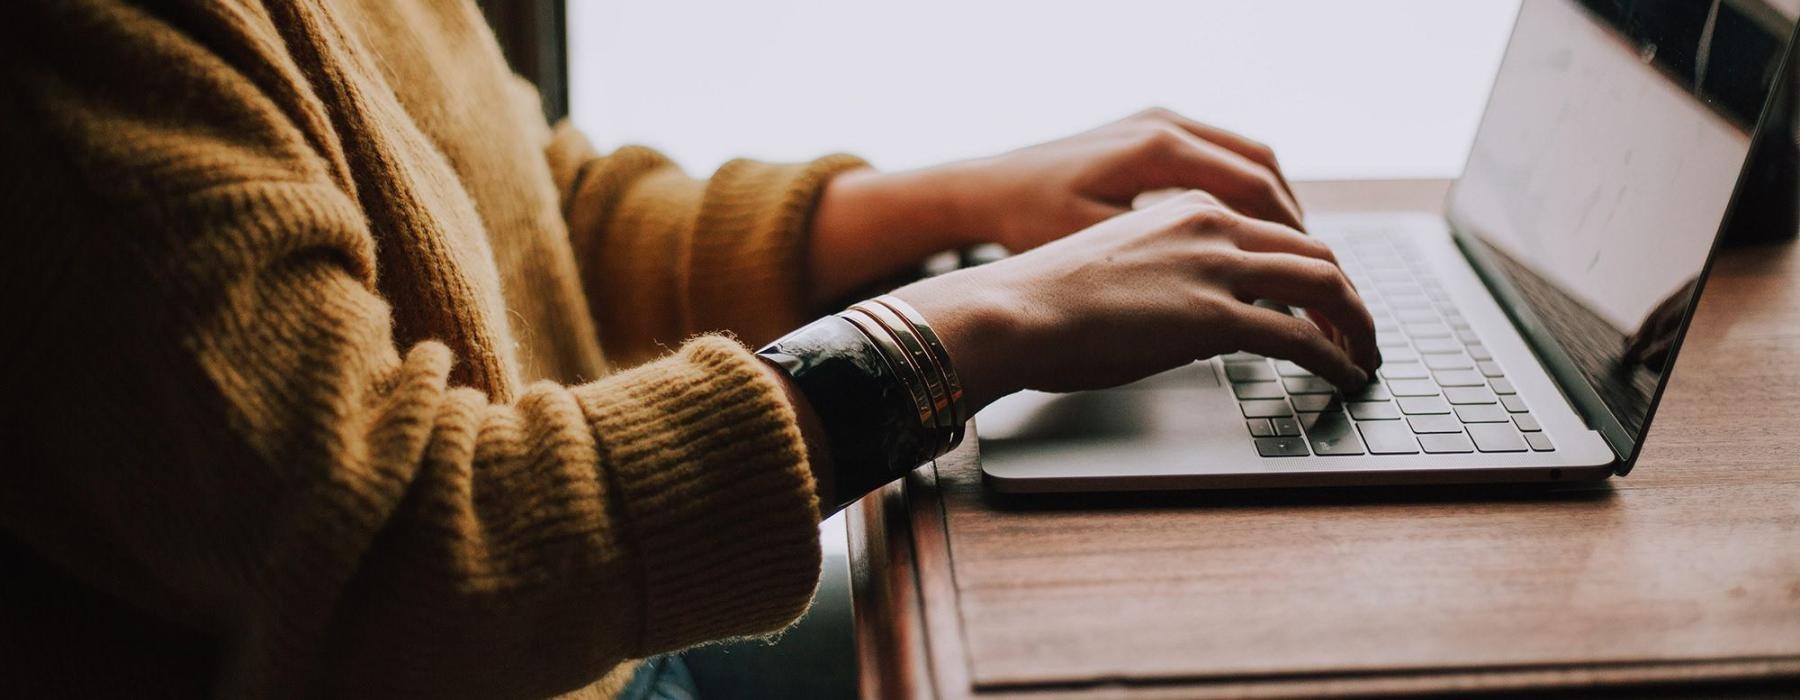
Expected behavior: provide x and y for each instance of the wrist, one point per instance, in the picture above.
(871, 226)
(935, 206)
(979, 326)
(961, 205)
(867, 411)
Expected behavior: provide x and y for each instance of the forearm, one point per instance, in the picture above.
(663, 256)
(872, 225)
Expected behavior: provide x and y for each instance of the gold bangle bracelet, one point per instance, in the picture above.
(923, 359)
(908, 373)
(945, 399)
(952, 382)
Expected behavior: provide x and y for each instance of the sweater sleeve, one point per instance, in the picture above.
(218, 428)
(664, 255)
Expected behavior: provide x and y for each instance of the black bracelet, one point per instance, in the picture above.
(870, 420)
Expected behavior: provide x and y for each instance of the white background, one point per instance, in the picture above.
(1341, 88)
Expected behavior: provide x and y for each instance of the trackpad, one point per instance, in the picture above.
(1164, 403)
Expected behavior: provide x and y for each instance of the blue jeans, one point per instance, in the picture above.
(663, 677)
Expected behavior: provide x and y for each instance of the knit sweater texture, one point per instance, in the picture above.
(332, 369)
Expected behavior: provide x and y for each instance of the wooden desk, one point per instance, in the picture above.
(1687, 571)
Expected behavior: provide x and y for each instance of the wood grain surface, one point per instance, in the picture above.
(1687, 570)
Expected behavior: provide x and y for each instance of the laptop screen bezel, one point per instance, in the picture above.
(1626, 447)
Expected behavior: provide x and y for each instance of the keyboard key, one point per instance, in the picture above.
(1487, 413)
(1469, 394)
(1456, 320)
(1432, 346)
(1467, 336)
(1285, 426)
(1480, 352)
(1398, 355)
(1383, 410)
(1446, 443)
(1497, 437)
(1527, 422)
(1373, 391)
(1249, 372)
(1289, 369)
(1314, 403)
(1241, 357)
(1257, 390)
(1265, 408)
(1282, 447)
(1388, 438)
(1259, 427)
(1459, 377)
(1513, 403)
(1449, 361)
(1428, 330)
(1331, 434)
(1307, 385)
(1404, 370)
(1502, 386)
(1489, 368)
(1444, 423)
(1539, 442)
(1423, 405)
(1415, 315)
(1391, 340)
(1412, 387)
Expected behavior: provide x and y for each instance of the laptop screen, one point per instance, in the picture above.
(1602, 170)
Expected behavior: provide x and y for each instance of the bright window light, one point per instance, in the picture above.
(1361, 89)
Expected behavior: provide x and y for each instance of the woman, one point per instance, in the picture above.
(334, 369)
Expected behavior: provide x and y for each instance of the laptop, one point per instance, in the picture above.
(1528, 332)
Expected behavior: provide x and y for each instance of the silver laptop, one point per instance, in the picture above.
(1527, 335)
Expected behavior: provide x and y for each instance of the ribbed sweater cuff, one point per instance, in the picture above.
(750, 246)
(705, 460)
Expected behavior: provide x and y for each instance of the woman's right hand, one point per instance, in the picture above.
(1145, 292)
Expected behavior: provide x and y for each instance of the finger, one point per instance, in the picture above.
(1266, 237)
(1287, 337)
(1184, 160)
(1151, 198)
(1320, 288)
(1255, 151)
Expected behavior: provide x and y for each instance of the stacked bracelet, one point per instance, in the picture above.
(911, 342)
(881, 383)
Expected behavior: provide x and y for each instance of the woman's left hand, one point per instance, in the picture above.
(1038, 194)
(870, 224)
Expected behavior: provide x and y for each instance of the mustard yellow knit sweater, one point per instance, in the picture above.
(304, 310)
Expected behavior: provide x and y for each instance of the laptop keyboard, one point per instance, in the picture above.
(1439, 390)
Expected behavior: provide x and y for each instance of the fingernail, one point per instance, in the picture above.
(1362, 377)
